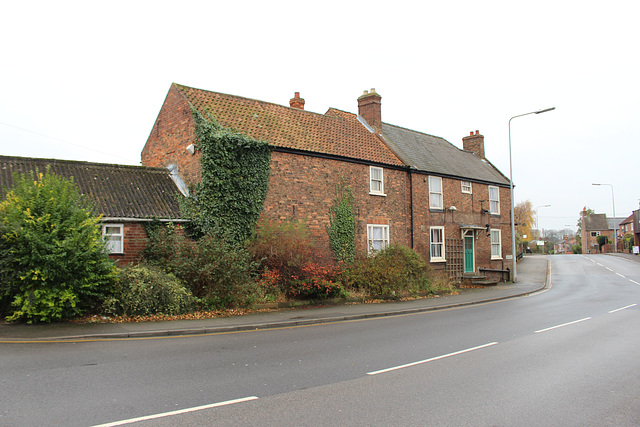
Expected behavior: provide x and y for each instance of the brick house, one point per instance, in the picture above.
(410, 188)
(595, 225)
(127, 197)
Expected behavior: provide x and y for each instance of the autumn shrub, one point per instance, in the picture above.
(146, 290)
(219, 273)
(391, 272)
(53, 262)
(291, 266)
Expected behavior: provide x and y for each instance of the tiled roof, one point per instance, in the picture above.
(596, 222)
(116, 191)
(436, 155)
(292, 128)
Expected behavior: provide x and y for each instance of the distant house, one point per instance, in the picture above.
(595, 225)
(127, 197)
(410, 188)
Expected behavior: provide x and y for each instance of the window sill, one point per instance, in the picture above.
(437, 260)
(377, 194)
(498, 258)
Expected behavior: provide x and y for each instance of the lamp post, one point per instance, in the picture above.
(513, 222)
(615, 226)
(538, 207)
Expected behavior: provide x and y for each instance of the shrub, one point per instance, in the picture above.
(53, 263)
(214, 270)
(145, 290)
(392, 271)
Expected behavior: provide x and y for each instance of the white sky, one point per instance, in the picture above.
(86, 80)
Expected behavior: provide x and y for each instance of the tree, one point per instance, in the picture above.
(523, 215)
(585, 211)
(602, 240)
(53, 262)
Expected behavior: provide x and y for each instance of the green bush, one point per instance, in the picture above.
(214, 270)
(53, 263)
(145, 290)
(391, 272)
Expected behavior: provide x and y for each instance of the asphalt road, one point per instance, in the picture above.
(567, 356)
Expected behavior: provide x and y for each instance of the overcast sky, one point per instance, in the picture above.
(86, 80)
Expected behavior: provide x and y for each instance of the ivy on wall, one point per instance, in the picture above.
(235, 178)
(342, 225)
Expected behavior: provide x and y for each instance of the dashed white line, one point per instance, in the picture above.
(622, 308)
(395, 368)
(621, 275)
(564, 324)
(633, 281)
(181, 411)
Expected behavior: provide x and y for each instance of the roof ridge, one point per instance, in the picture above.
(20, 159)
(246, 98)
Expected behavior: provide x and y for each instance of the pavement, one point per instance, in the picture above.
(533, 276)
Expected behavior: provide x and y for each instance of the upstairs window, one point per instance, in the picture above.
(435, 192)
(377, 238)
(494, 200)
(466, 187)
(376, 180)
(437, 244)
(114, 235)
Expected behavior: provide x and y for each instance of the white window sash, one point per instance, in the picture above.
(496, 244)
(376, 180)
(436, 235)
(435, 192)
(466, 187)
(494, 200)
(114, 236)
(377, 237)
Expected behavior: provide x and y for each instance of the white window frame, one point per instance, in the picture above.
(465, 187)
(436, 197)
(494, 200)
(111, 246)
(595, 233)
(376, 179)
(496, 243)
(375, 242)
(437, 246)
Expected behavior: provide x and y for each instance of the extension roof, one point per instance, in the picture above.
(115, 191)
(292, 128)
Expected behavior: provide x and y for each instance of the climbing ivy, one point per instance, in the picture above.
(234, 181)
(342, 225)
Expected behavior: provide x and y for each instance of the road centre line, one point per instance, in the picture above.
(633, 281)
(622, 308)
(178, 412)
(564, 324)
(621, 275)
(420, 362)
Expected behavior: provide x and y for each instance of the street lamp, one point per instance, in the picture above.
(615, 226)
(513, 222)
(543, 206)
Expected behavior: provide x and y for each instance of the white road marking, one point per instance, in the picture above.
(181, 411)
(564, 324)
(609, 269)
(633, 281)
(623, 308)
(431, 360)
(621, 275)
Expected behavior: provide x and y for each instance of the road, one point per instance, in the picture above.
(567, 356)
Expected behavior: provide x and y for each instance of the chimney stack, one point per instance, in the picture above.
(474, 143)
(369, 107)
(297, 102)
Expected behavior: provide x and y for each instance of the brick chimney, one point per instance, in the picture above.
(369, 108)
(474, 143)
(297, 102)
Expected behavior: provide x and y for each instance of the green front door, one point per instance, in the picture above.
(469, 266)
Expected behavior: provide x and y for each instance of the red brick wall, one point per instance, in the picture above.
(135, 240)
(172, 132)
(304, 187)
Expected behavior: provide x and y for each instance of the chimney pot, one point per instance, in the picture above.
(477, 132)
(471, 133)
(369, 108)
(474, 143)
(297, 102)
